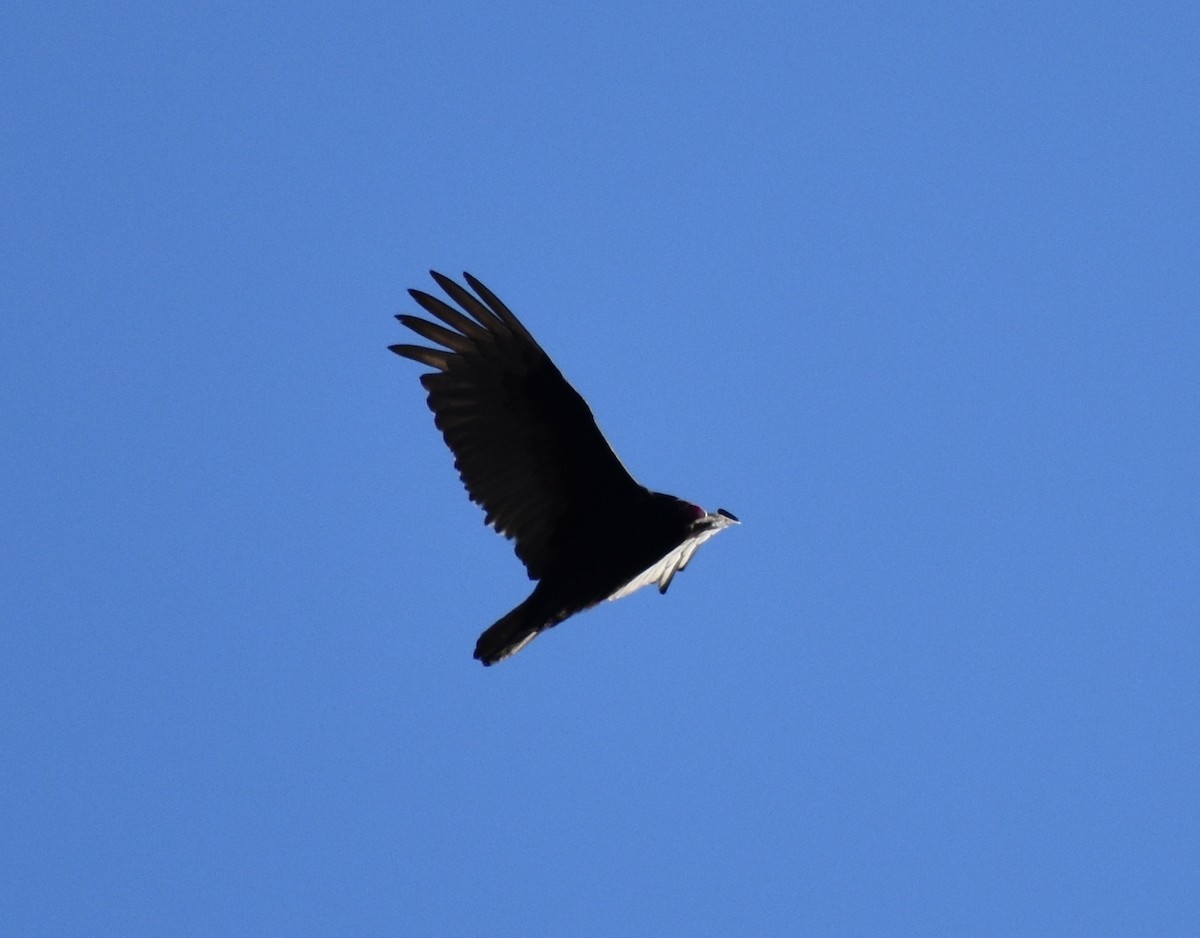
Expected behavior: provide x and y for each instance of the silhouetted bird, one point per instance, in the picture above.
(529, 452)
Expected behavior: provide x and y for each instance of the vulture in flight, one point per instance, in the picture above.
(530, 454)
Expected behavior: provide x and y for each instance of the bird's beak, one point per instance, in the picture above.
(722, 519)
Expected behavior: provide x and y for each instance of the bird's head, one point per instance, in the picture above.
(702, 520)
(720, 519)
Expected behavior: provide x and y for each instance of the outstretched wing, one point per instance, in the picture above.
(525, 443)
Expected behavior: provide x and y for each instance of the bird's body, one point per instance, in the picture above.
(529, 452)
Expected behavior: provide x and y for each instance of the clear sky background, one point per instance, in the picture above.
(912, 288)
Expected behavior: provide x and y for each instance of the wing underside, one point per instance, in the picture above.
(663, 572)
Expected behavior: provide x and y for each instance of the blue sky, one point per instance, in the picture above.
(910, 288)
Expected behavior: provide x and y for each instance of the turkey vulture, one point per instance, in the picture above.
(529, 452)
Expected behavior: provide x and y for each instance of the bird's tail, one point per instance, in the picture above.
(512, 633)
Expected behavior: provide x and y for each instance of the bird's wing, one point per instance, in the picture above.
(664, 571)
(525, 443)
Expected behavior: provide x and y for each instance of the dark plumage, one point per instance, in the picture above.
(529, 452)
